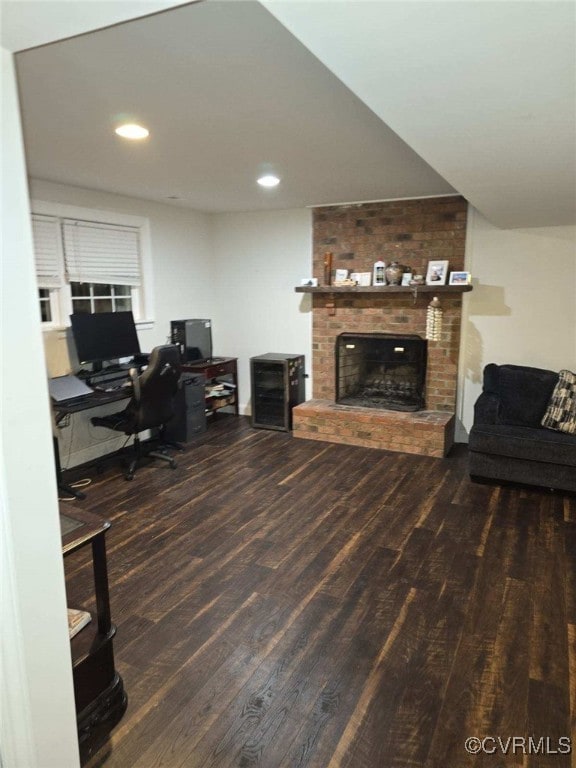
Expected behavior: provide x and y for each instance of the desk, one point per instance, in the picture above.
(86, 402)
(76, 405)
(98, 689)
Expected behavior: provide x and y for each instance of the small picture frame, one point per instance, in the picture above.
(340, 274)
(460, 278)
(437, 273)
(362, 278)
(406, 278)
(311, 282)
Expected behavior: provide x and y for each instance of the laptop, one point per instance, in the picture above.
(67, 387)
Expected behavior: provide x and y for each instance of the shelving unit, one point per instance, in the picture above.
(218, 369)
(98, 688)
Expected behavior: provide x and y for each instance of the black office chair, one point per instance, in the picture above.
(151, 405)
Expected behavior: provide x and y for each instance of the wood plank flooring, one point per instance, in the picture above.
(285, 603)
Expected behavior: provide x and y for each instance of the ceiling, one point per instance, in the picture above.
(484, 91)
(481, 94)
(28, 23)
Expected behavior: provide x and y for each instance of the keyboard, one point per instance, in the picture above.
(100, 396)
(109, 387)
(76, 400)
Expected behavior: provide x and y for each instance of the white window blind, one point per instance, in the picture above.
(46, 251)
(101, 253)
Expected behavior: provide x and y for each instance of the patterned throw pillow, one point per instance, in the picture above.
(561, 412)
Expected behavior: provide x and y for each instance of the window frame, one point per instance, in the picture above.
(53, 303)
(91, 297)
(61, 298)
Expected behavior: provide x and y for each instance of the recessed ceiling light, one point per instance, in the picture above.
(132, 131)
(269, 181)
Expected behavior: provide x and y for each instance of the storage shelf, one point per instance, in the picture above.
(88, 640)
(99, 693)
(214, 403)
(383, 289)
(218, 370)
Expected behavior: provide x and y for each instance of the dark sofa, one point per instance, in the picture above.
(507, 441)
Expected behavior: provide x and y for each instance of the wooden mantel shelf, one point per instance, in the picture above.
(384, 289)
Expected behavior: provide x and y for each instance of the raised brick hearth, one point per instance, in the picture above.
(427, 433)
(412, 232)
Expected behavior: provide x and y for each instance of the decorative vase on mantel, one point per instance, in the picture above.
(394, 272)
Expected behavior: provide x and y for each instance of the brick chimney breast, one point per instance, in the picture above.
(411, 232)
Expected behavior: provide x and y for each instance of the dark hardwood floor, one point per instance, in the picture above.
(285, 603)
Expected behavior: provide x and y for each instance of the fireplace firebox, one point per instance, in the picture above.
(381, 370)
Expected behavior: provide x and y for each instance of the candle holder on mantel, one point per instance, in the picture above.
(328, 268)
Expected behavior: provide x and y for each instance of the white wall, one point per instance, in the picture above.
(183, 287)
(238, 269)
(523, 306)
(181, 249)
(38, 722)
(258, 260)
(522, 309)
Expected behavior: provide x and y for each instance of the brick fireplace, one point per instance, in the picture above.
(411, 232)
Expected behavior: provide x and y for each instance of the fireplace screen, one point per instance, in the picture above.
(381, 370)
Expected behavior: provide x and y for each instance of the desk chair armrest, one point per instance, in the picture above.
(135, 379)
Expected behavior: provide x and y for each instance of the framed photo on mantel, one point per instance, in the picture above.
(437, 273)
(460, 278)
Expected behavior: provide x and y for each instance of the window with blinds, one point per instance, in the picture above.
(101, 253)
(46, 238)
(85, 265)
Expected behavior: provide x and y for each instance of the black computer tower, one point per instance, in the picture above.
(194, 339)
(277, 386)
(189, 418)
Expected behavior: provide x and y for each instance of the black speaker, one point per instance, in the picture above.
(189, 418)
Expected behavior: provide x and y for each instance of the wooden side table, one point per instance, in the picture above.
(213, 370)
(98, 688)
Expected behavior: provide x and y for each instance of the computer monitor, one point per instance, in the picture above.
(104, 336)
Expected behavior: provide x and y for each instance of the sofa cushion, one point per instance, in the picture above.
(561, 411)
(524, 394)
(531, 443)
